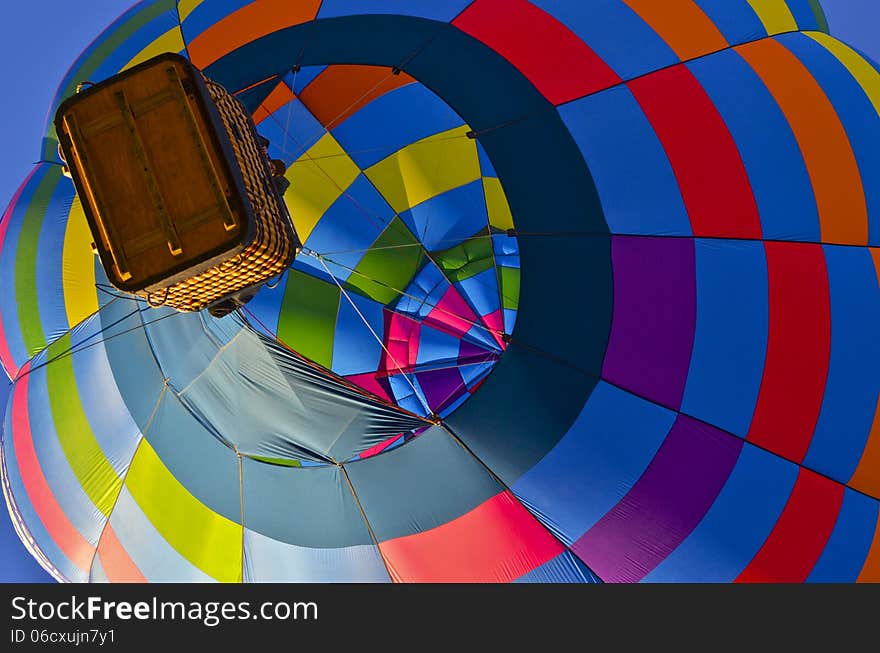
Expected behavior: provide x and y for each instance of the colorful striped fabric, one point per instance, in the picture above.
(589, 293)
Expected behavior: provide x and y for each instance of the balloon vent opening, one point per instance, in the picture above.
(184, 204)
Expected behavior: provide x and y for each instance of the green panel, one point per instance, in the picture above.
(284, 462)
(466, 260)
(26, 262)
(387, 269)
(510, 287)
(308, 317)
(820, 16)
(86, 458)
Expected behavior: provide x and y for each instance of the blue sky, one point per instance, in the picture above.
(39, 40)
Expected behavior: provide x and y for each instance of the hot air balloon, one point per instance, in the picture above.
(588, 292)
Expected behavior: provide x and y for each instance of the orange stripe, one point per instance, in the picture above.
(115, 560)
(837, 183)
(247, 24)
(498, 541)
(342, 90)
(682, 24)
(77, 549)
(871, 569)
(866, 478)
(279, 96)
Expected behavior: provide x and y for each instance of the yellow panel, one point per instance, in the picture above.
(864, 72)
(208, 540)
(317, 179)
(496, 203)
(185, 7)
(775, 15)
(426, 168)
(78, 267)
(170, 41)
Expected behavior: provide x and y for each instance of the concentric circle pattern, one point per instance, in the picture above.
(590, 292)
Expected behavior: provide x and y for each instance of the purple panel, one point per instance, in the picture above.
(440, 386)
(664, 506)
(652, 332)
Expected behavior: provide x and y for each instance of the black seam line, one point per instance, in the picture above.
(366, 521)
(693, 417)
(506, 487)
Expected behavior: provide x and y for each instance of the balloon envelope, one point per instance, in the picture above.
(589, 293)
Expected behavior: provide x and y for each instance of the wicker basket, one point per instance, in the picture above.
(176, 186)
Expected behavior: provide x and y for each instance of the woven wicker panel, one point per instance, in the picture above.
(274, 245)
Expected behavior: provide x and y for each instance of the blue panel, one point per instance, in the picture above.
(856, 112)
(349, 228)
(506, 251)
(436, 347)
(311, 507)
(356, 349)
(429, 482)
(737, 524)
(53, 316)
(291, 130)
(803, 14)
(450, 218)
(770, 152)
(481, 291)
(509, 320)
(853, 383)
(106, 411)
(303, 77)
(472, 373)
(847, 548)
(636, 183)
(423, 293)
(486, 167)
(264, 310)
(268, 560)
(616, 33)
(564, 568)
(736, 20)
(596, 463)
(443, 10)
(393, 121)
(214, 479)
(730, 340)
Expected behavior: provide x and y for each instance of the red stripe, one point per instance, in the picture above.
(560, 65)
(60, 529)
(707, 164)
(801, 532)
(496, 542)
(115, 561)
(798, 349)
